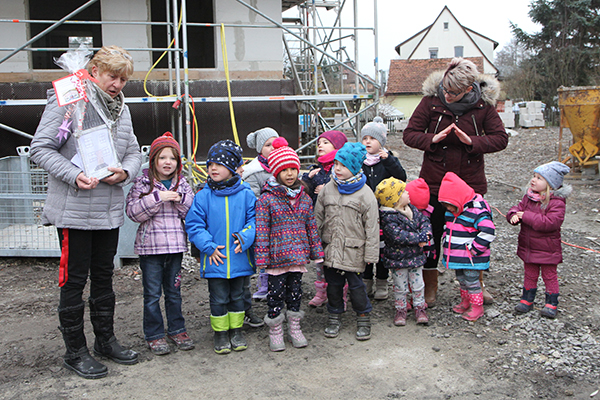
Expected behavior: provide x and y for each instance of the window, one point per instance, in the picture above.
(433, 53)
(201, 40)
(65, 35)
(445, 26)
(458, 51)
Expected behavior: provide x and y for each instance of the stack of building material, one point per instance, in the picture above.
(532, 116)
(508, 116)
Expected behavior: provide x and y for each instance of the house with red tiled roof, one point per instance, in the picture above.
(432, 49)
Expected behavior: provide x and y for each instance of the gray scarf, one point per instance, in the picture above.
(467, 102)
(113, 106)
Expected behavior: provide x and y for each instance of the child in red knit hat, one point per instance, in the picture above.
(159, 201)
(286, 240)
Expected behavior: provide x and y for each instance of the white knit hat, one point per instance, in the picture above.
(257, 139)
(376, 129)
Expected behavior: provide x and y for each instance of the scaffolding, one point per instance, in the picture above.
(315, 57)
(331, 94)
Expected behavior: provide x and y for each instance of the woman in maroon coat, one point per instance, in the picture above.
(455, 124)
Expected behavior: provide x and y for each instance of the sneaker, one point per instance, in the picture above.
(251, 319)
(400, 317)
(183, 341)
(159, 347)
(421, 315)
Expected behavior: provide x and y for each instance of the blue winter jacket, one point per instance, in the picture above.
(213, 219)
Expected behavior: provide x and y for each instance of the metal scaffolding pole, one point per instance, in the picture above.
(177, 73)
(49, 29)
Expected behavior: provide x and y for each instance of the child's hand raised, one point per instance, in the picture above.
(383, 154)
(517, 217)
(313, 172)
(169, 196)
(217, 257)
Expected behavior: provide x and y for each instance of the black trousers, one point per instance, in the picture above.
(86, 253)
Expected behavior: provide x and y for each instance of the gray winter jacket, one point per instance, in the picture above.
(67, 206)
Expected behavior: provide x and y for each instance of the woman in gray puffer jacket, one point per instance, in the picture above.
(88, 212)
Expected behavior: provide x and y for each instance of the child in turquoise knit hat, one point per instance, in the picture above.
(348, 222)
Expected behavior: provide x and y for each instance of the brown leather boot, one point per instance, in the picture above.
(430, 277)
(487, 297)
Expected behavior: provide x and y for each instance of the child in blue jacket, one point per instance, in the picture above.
(221, 224)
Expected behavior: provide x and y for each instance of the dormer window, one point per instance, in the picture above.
(445, 26)
(458, 51)
(433, 53)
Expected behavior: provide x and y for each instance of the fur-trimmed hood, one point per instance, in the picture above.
(490, 86)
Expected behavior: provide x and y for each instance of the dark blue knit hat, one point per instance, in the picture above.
(226, 153)
(352, 155)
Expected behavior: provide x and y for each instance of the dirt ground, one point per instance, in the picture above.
(501, 356)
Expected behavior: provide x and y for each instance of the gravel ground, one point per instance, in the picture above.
(502, 355)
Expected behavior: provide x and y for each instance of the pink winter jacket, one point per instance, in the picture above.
(539, 239)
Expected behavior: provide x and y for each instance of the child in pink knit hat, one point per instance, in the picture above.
(317, 176)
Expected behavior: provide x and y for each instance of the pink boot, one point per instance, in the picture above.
(464, 304)
(476, 311)
(321, 295)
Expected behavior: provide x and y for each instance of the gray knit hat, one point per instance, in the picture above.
(257, 139)
(376, 129)
(553, 172)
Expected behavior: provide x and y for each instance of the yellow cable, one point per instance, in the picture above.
(161, 57)
(226, 65)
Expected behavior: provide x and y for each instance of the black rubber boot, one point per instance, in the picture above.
(334, 323)
(237, 339)
(102, 312)
(221, 342)
(550, 310)
(363, 325)
(526, 303)
(77, 358)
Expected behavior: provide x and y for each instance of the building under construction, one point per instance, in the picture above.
(285, 64)
(205, 70)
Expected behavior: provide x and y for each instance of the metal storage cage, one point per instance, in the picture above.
(23, 188)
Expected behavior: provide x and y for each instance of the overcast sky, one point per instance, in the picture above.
(400, 19)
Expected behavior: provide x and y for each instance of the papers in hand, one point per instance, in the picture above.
(96, 152)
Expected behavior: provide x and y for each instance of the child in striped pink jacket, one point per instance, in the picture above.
(466, 243)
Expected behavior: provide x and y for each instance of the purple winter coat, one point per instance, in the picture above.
(161, 229)
(539, 239)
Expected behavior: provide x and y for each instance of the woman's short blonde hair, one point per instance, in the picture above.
(460, 74)
(112, 59)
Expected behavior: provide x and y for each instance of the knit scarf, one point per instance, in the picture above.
(264, 162)
(350, 185)
(289, 192)
(467, 102)
(326, 160)
(113, 106)
(372, 159)
(535, 196)
(223, 186)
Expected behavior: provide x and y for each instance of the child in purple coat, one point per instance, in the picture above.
(541, 214)
(159, 201)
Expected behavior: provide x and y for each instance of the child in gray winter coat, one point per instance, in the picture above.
(348, 223)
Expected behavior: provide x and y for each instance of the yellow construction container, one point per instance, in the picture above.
(580, 111)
